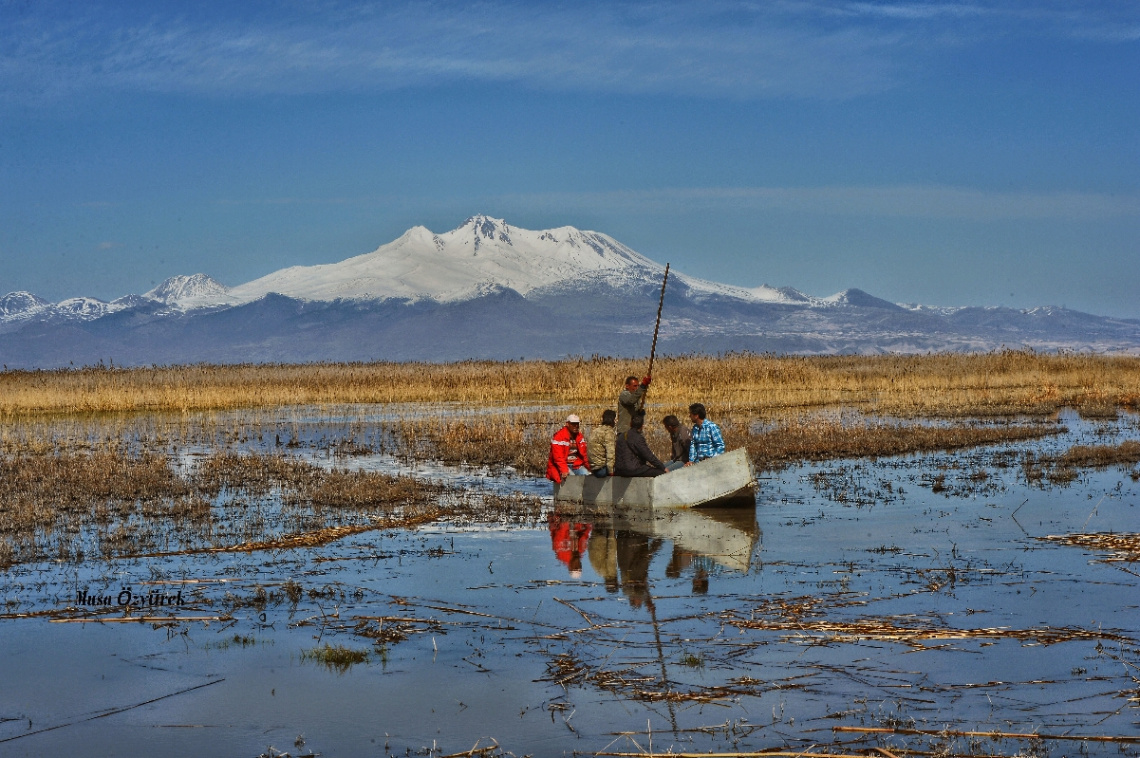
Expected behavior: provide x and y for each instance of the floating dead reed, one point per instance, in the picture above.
(1121, 548)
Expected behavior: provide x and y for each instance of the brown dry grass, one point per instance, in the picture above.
(1121, 548)
(523, 440)
(1101, 456)
(1063, 468)
(67, 505)
(817, 440)
(516, 440)
(997, 383)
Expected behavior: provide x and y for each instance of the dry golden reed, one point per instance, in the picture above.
(67, 505)
(522, 441)
(995, 383)
(819, 440)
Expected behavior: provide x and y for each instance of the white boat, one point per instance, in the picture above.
(723, 480)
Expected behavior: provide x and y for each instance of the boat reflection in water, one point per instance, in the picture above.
(620, 543)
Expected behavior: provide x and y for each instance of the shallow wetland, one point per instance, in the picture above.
(335, 580)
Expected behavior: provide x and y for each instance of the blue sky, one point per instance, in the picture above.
(949, 153)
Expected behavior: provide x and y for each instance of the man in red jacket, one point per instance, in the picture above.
(567, 453)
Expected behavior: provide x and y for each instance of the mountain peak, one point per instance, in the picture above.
(177, 289)
(486, 228)
(21, 302)
(857, 297)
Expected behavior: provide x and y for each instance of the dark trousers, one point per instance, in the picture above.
(643, 470)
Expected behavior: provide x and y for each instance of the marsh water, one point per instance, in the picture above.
(915, 595)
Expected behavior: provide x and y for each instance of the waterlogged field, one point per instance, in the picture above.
(394, 580)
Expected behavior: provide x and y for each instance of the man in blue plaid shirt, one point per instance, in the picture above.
(707, 440)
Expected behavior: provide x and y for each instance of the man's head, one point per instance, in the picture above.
(632, 383)
(573, 422)
(697, 412)
(637, 421)
(672, 424)
(609, 417)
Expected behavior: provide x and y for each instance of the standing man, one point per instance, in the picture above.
(706, 438)
(634, 458)
(602, 442)
(567, 452)
(681, 440)
(629, 401)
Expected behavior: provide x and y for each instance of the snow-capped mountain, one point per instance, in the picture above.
(490, 290)
(187, 291)
(482, 255)
(20, 305)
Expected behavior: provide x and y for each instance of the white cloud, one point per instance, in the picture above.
(721, 48)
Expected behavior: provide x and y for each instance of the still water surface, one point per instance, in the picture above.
(853, 596)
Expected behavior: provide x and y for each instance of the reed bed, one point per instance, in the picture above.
(117, 502)
(1126, 453)
(799, 440)
(1063, 468)
(999, 383)
(522, 441)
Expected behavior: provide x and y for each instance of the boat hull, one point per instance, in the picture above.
(724, 480)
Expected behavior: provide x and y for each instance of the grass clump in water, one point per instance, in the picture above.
(336, 658)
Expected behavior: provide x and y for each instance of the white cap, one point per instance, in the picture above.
(573, 419)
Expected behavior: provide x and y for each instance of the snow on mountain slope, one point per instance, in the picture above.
(183, 290)
(83, 308)
(19, 305)
(482, 254)
(769, 294)
(479, 257)
(16, 307)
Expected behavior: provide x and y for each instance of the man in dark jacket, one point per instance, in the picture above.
(681, 438)
(634, 458)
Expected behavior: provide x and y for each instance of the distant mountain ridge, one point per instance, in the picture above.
(490, 290)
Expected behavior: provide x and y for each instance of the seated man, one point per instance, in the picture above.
(706, 439)
(680, 438)
(567, 452)
(634, 458)
(602, 445)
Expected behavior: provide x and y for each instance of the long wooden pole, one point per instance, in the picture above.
(656, 328)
